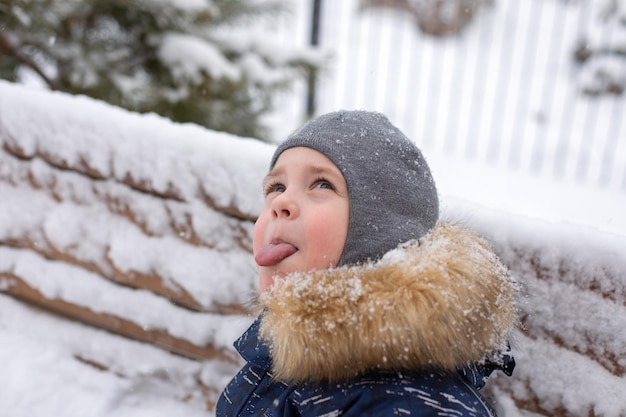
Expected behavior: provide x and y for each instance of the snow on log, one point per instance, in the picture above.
(571, 352)
(136, 199)
(102, 204)
(57, 366)
(82, 295)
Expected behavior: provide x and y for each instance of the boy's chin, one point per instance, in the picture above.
(267, 278)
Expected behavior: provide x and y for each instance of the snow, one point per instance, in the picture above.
(111, 238)
(182, 5)
(176, 50)
(41, 376)
(117, 191)
(51, 280)
(578, 386)
(162, 158)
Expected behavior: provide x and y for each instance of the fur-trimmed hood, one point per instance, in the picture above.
(441, 303)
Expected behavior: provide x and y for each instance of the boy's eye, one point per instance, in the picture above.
(322, 183)
(274, 187)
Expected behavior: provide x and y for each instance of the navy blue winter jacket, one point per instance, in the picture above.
(397, 337)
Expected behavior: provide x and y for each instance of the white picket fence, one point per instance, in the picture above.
(506, 92)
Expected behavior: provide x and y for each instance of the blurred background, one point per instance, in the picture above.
(517, 95)
(536, 85)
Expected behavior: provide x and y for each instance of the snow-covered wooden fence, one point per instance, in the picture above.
(127, 223)
(571, 352)
(142, 227)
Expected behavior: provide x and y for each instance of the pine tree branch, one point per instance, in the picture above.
(10, 50)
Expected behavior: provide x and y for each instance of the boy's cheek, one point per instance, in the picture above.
(257, 233)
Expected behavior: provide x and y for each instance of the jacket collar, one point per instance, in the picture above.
(444, 303)
(253, 350)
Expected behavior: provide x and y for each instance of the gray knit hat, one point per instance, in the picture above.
(393, 197)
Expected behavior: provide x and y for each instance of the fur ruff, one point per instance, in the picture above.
(440, 303)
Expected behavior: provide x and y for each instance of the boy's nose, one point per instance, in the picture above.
(285, 206)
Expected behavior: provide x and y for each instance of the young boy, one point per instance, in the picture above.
(369, 306)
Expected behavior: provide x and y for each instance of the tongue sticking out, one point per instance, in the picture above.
(274, 253)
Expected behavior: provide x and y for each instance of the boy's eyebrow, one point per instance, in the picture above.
(274, 172)
(321, 170)
(316, 169)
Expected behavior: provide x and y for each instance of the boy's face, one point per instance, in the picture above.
(304, 222)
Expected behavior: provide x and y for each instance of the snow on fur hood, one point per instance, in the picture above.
(441, 303)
